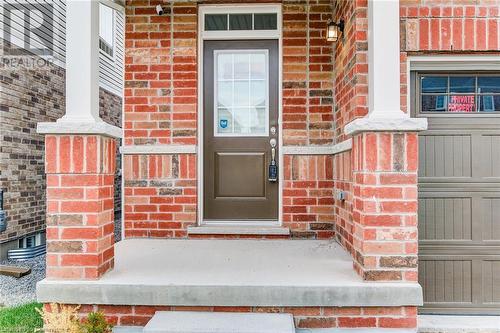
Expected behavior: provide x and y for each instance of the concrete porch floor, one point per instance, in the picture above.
(231, 273)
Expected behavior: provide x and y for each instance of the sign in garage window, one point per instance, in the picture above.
(459, 93)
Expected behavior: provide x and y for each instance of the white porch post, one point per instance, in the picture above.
(383, 59)
(82, 74)
(384, 105)
(82, 62)
(80, 144)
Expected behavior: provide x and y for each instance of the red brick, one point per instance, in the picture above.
(357, 322)
(397, 322)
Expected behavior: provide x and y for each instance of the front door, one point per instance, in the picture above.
(240, 107)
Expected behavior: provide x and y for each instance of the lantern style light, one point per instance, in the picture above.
(334, 30)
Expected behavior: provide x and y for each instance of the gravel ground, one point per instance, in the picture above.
(19, 291)
(23, 290)
(118, 230)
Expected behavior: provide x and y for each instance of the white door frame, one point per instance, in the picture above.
(238, 35)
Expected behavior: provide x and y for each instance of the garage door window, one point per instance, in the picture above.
(459, 93)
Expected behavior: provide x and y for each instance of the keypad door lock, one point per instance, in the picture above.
(273, 167)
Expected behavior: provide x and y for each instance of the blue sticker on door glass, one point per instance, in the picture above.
(223, 123)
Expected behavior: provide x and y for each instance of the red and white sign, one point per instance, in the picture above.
(462, 104)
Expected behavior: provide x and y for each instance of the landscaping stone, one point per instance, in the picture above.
(16, 291)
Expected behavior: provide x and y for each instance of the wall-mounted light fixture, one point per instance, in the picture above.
(334, 30)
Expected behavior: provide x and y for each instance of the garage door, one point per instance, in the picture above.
(459, 191)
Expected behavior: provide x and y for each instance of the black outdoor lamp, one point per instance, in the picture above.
(334, 30)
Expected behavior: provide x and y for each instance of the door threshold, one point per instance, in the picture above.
(238, 230)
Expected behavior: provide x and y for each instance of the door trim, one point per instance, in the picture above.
(237, 35)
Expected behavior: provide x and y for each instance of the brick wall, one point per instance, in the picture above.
(342, 175)
(160, 73)
(307, 118)
(445, 26)
(160, 195)
(308, 196)
(351, 101)
(351, 66)
(27, 97)
(307, 74)
(160, 108)
(304, 317)
(80, 205)
(385, 203)
(30, 96)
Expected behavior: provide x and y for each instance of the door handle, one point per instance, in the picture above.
(273, 167)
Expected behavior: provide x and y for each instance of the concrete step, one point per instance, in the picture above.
(218, 322)
(458, 324)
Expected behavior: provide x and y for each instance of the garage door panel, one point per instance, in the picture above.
(445, 218)
(459, 219)
(468, 283)
(491, 281)
(445, 156)
(491, 218)
(490, 155)
(447, 281)
(459, 215)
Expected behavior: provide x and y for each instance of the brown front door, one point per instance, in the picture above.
(240, 103)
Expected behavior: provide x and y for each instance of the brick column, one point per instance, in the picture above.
(80, 185)
(385, 205)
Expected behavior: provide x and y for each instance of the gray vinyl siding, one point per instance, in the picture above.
(110, 69)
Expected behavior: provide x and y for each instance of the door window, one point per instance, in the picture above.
(241, 93)
(459, 93)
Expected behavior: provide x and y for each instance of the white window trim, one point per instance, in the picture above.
(113, 48)
(241, 35)
(239, 9)
(449, 63)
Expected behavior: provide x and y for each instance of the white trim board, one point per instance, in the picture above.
(318, 150)
(238, 35)
(237, 230)
(241, 9)
(73, 128)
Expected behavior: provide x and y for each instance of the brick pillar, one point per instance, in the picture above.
(385, 205)
(80, 231)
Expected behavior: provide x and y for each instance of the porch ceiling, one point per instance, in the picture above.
(231, 273)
